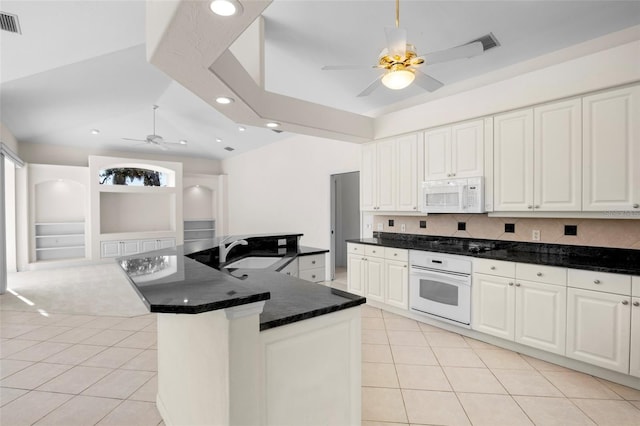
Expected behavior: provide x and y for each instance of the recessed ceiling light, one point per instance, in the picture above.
(224, 100)
(273, 124)
(183, 142)
(95, 131)
(241, 128)
(225, 7)
(218, 140)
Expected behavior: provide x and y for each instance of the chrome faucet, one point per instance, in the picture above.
(224, 250)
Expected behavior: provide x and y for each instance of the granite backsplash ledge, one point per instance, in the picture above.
(618, 233)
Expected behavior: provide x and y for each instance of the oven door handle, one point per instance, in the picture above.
(447, 278)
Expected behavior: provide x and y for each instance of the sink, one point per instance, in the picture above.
(254, 262)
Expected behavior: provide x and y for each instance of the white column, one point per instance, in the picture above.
(3, 230)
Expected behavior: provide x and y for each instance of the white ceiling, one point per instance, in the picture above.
(81, 64)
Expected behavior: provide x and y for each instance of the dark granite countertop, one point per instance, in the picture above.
(185, 280)
(603, 259)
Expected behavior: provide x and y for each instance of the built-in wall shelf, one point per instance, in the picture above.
(59, 240)
(199, 230)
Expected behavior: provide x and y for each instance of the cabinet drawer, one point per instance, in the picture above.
(355, 248)
(311, 262)
(494, 267)
(315, 275)
(541, 273)
(375, 251)
(635, 286)
(600, 281)
(396, 254)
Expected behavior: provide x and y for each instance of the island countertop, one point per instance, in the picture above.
(172, 281)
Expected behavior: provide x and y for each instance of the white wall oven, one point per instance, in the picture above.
(440, 285)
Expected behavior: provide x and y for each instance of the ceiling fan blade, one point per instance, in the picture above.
(370, 88)
(346, 67)
(137, 140)
(427, 82)
(163, 147)
(396, 41)
(465, 51)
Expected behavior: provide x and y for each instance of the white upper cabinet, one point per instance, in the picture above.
(538, 158)
(611, 131)
(557, 157)
(454, 151)
(389, 175)
(407, 173)
(368, 177)
(387, 170)
(513, 161)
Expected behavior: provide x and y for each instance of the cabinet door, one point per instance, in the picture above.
(397, 284)
(557, 157)
(386, 175)
(437, 154)
(513, 161)
(356, 274)
(541, 311)
(598, 328)
(166, 243)
(493, 305)
(109, 248)
(129, 247)
(375, 279)
(467, 149)
(368, 176)
(148, 245)
(407, 173)
(611, 150)
(634, 368)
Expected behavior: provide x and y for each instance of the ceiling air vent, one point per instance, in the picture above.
(228, 148)
(9, 22)
(488, 41)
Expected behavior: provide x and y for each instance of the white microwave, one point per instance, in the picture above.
(463, 195)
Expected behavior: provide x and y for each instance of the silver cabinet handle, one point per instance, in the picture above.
(625, 302)
(395, 254)
(517, 284)
(406, 266)
(635, 206)
(536, 207)
(539, 274)
(510, 283)
(636, 303)
(373, 251)
(529, 207)
(493, 268)
(313, 262)
(415, 208)
(313, 276)
(596, 281)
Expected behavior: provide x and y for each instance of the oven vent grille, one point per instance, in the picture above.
(9, 22)
(228, 148)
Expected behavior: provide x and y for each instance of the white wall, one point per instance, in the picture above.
(74, 156)
(285, 187)
(7, 138)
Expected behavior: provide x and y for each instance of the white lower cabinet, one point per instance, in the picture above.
(493, 305)
(379, 274)
(634, 367)
(311, 268)
(528, 312)
(541, 316)
(599, 328)
(129, 247)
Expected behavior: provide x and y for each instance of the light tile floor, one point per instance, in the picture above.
(64, 369)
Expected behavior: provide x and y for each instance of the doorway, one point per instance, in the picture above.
(345, 219)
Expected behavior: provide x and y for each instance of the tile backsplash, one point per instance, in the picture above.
(618, 233)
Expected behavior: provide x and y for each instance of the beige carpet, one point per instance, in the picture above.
(94, 290)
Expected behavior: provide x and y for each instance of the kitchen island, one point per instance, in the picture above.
(249, 346)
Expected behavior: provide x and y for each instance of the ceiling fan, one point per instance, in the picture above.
(400, 61)
(155, 139)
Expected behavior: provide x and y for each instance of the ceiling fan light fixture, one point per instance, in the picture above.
(223, 100)
(241, 128)
(218, 140)
(397, 79)
(95, 131)
(183, 142)
(273, 125)
(225, 7)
